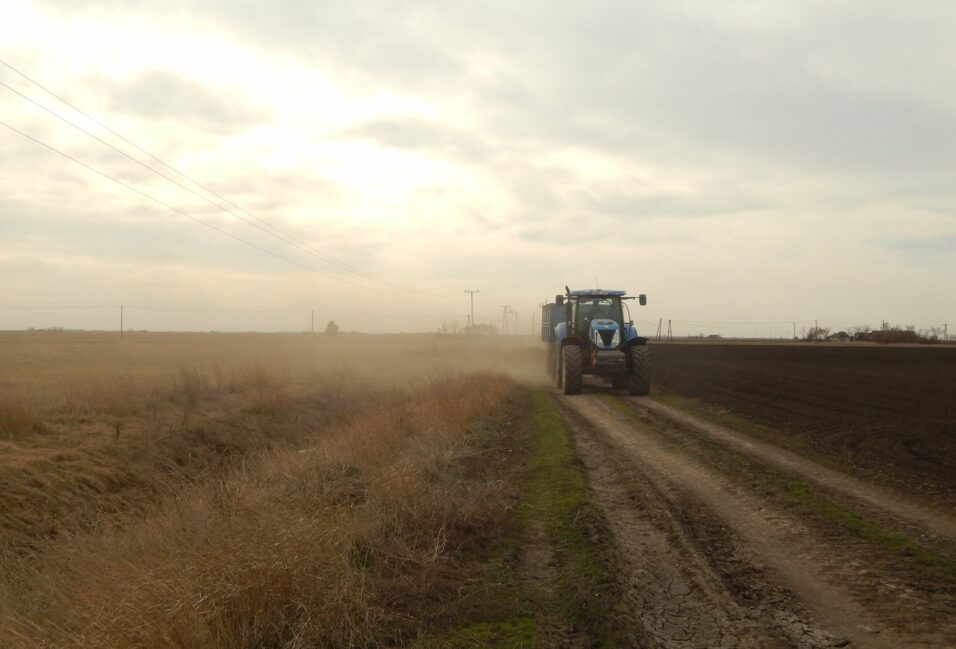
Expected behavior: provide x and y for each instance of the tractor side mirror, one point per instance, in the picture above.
(642, 299)
(559, 299)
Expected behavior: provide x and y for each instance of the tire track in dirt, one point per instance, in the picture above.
(936, 524)
(671, 592)
(759, 535)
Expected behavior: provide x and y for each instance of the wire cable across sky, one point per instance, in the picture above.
(226, 205)
(193, 217)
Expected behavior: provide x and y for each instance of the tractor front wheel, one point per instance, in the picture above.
(639, 379)
(572, 369)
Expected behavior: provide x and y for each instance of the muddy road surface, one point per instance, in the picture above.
(721, 540)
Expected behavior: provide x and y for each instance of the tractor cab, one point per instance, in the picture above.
(597, 315)
(601, 314)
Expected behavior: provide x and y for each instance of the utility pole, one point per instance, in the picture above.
(515, 311)
(945, 332)
(121, 323)
(505, 309)
(660, 325)
(670, 332)
(471, 318)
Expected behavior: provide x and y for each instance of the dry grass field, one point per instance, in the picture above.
(89, 423)
(207, 490)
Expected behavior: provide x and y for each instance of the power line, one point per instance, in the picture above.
(168, 309)
(740, 322)
(31, 307)
(283, 236)
(126, 155)
(324, 310)
(190, 216)
(192, 310)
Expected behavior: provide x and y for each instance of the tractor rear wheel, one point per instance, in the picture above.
(639, 379)
(572, 369)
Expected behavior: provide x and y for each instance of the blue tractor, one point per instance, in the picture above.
(587, 333)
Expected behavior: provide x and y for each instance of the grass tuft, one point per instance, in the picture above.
(17, 420)
(519, 633)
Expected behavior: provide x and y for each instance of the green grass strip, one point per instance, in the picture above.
(508, 608)
(558, 494)
(865, 528)
(519, 633)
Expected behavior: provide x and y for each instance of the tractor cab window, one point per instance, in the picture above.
(596, 309)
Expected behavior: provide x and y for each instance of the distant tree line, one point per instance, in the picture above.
(886, 334)
(472, 330)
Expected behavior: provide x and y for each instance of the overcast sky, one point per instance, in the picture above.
(744, 163)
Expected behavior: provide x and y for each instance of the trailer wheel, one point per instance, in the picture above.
(552, 367)
(639, 379)
(572, 369)
(558, 367)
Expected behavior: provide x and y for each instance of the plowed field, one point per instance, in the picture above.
(889, 413)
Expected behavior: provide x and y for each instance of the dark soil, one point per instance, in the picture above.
(888, 412)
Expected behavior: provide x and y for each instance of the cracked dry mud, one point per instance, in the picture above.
(710, 560)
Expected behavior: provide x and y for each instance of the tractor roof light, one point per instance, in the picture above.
(597, 292)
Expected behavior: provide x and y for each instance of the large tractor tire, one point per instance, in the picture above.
(639, 379)
(572, 369)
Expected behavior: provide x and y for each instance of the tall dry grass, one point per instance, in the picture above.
(306, 548)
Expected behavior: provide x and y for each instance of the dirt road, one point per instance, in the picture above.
(724, 541)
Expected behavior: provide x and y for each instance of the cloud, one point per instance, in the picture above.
(923, 250)
(164, 95)
(419, 135)
(677, 81)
